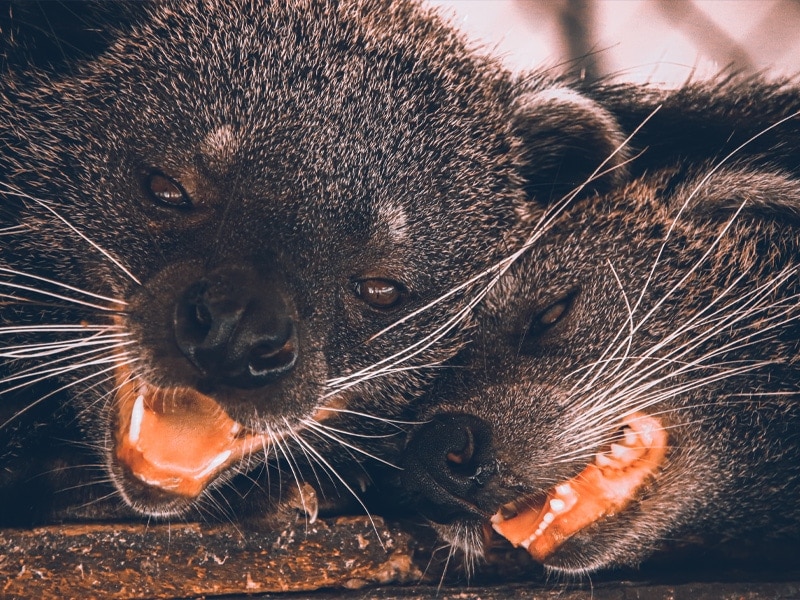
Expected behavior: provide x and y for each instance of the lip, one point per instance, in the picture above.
(541, 523)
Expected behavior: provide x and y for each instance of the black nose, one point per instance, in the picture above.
(447, 462)
(236, 328)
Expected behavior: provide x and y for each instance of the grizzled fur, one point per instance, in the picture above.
(657, 297)
(343, 163)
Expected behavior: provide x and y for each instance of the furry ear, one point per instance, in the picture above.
(570, 142)
(51, 34)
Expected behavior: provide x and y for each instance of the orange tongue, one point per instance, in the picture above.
(602, 489)
(178, 440)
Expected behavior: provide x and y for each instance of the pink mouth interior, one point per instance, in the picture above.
(177, 439)
(602, 489)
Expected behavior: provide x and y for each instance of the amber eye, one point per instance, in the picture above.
(551, 315)
(167, 191)
(379, 293)
(541, 323)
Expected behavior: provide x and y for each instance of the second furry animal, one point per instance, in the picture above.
(635, 383)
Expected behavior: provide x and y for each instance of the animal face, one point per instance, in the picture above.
(633, 381)
(230, 231)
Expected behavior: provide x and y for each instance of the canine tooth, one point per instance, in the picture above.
(311, 508)
(602, 460)
(137, 414)
(235, 428)
(557, 505)
(646, 433)
(217, 461)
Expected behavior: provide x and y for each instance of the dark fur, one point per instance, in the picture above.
(301, 134)
(733, 466)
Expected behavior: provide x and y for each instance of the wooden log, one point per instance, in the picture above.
(167, 561)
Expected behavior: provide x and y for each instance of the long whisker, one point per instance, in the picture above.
(67, 299)
(113, 301)
(323, 461)
(67, 386)
(329, 434)
(13, 191)
(496, 271)
(395, 422)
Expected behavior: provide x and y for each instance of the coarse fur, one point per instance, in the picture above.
(252, 221)
(676, 296)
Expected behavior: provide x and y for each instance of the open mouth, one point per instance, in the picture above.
(177, 439)
(604, 488)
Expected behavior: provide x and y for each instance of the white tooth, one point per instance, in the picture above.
(527, 542)
(137, 414)
(631, 437)
(218, 460)
(602, 460)
(564, 489)
(235, 428)
(497, 518)
(557, 505)
(548, 518)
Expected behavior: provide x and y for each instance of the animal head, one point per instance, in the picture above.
(240, 228)
(633, 380)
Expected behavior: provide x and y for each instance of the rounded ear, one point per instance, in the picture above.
(51, 35)
(570, 143)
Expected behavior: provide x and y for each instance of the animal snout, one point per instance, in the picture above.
(447, 462)
(236, 328)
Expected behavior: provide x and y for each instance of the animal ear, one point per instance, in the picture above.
(569, 142)
(758, 193)
(52, 35)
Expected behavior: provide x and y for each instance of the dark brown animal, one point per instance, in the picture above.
(634, 379)
(235, 230)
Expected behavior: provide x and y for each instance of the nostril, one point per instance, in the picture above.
(202, 318)
(266, 359)
(447, 461)
(461, 457)
(237, 328)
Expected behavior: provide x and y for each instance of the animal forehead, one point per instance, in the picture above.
(393, 218)
(219, 147)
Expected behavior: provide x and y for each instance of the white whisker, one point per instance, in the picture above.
(12, 191)
(112, 301)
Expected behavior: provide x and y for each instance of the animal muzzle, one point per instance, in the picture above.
(223, 341)
(447, 462)
(236, 328)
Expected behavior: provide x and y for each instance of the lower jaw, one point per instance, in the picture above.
(605, 488)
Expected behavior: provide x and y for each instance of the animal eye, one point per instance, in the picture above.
(541, 323)
(167, 191)
(379, 293)
(551, 315)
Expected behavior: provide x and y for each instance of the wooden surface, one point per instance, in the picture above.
(161, 561)
(335, 558)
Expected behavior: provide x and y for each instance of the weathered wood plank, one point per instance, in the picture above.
(162, 561)
(331, 558)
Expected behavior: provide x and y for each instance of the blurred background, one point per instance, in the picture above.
(657, 41)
